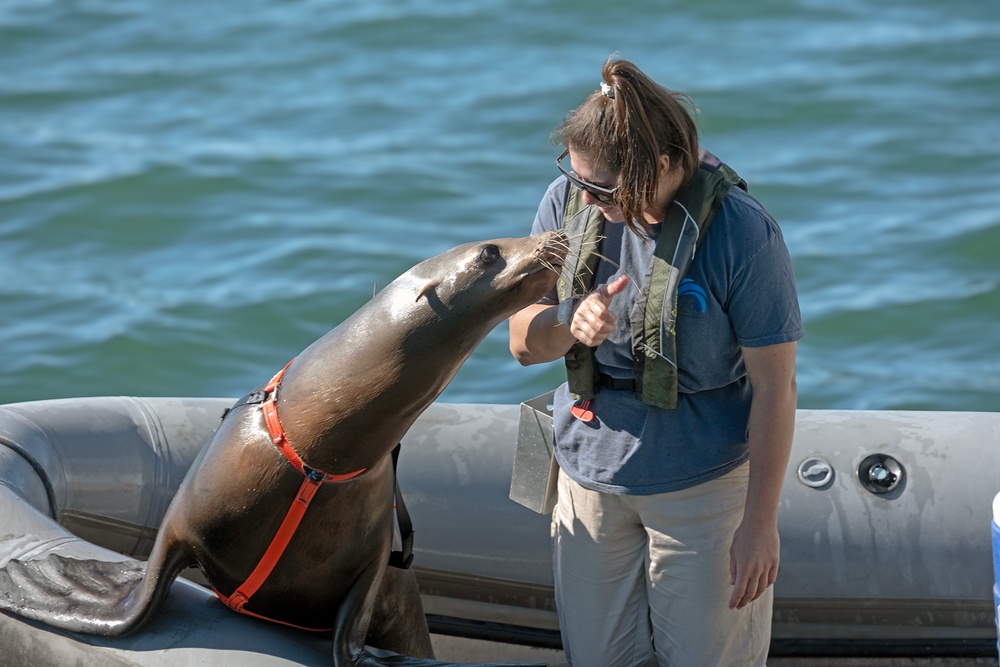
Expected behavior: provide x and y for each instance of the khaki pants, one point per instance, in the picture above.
(644, 580)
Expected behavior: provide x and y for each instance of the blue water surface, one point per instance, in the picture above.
(192, 192)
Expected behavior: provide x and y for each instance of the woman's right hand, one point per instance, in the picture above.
(593, 321)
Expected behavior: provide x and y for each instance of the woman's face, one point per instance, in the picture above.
(598, 175)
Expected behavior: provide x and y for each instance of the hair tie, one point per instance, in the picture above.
(608, 91)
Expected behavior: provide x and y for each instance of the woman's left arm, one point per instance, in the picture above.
(754, 555)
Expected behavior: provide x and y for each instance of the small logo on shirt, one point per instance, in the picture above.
(692, 289)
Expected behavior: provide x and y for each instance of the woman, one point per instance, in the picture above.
(679, 327)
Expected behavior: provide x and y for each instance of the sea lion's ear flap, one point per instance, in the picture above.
(427, 289)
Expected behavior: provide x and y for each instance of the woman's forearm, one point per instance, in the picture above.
(537, 337)
(771, 427)
(755, 554)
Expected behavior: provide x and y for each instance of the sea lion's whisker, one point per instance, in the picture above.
(550, 266)
(591, 271)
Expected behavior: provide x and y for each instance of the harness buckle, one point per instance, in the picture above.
(256, 396)
(236, 601)
(316, 476)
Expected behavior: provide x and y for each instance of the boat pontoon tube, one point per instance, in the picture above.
(995, 527)
(882, 517)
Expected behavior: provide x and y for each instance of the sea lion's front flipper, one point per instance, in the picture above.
(356, 611)
(378, 658)
(398, 621)
(91, 596)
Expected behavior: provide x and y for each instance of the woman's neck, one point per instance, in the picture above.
(666, 191)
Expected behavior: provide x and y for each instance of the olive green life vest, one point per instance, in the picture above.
(654, 313)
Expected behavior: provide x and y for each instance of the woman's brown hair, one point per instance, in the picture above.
(627, 128)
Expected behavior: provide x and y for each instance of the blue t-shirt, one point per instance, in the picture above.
(739, 291)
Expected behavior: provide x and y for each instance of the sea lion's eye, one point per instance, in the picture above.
(489, 254)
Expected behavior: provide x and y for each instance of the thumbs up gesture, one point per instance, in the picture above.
(592, 321)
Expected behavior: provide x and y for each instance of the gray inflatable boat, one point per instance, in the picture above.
(885, 524)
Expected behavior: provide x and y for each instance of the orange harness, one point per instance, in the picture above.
(313, 479)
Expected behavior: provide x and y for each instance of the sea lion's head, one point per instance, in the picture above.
(494, 278)
(368, 378)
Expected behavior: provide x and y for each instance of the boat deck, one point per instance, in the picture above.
(474, 650)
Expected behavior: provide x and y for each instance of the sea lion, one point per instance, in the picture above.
(341, 407)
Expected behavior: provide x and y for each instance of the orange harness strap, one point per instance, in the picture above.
(310, 485)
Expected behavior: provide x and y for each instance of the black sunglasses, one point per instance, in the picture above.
(600, 193)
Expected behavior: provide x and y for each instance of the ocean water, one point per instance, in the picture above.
(192, 192)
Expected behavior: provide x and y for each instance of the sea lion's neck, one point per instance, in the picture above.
(349, 398)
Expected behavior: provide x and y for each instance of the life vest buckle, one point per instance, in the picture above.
(581, 410)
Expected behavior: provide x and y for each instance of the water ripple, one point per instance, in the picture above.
(191, 194)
